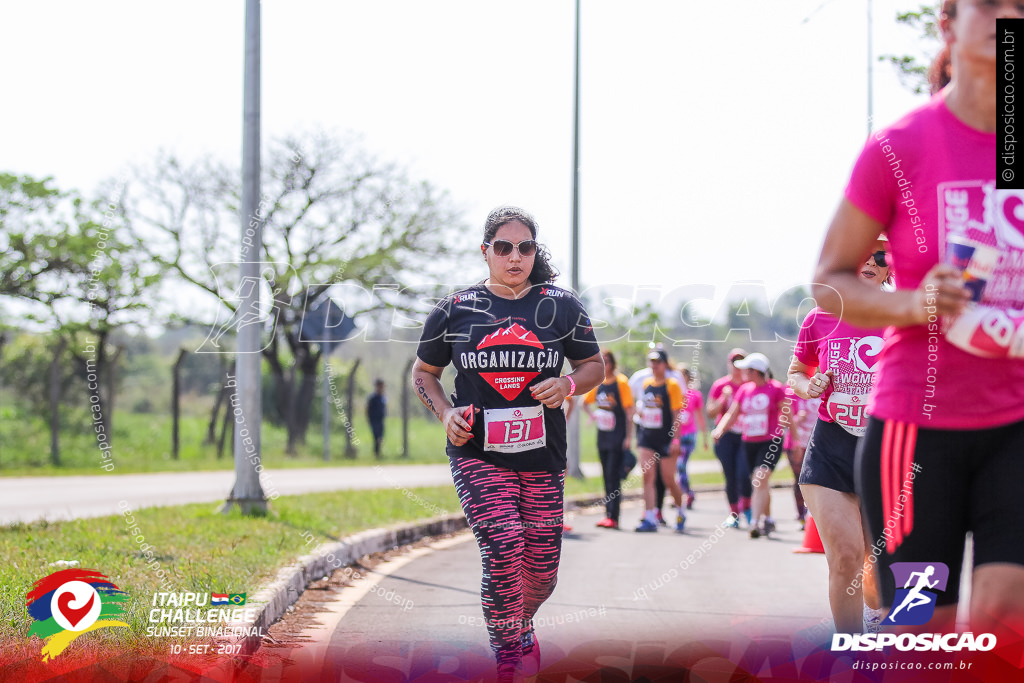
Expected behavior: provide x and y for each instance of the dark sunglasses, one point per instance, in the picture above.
(504, 247)
(879, 257)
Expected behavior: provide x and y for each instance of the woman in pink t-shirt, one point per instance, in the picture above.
(691, 419)
(765, 407)
(834, 362)
(729, 448)
(943, 450)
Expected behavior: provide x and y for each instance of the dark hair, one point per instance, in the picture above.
(542, 271)
(684, 369)
(611, 357)
(941, 71)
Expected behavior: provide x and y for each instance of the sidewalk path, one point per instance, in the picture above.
(27, 499)
(624, 601)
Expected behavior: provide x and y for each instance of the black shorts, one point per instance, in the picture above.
(660, 448)
(926, 488)
(763, 453)
(658, 440)
(829, 458)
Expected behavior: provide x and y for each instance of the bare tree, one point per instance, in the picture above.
(333, 214)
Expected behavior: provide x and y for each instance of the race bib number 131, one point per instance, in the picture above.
(511, 430)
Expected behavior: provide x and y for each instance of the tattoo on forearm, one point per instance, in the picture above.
(422, 391)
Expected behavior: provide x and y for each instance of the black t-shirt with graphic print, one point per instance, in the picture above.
(501, 347)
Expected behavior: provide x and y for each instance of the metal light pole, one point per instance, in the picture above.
(247, 493)
(871, 89)
(573, 428)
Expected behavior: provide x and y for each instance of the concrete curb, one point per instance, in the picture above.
(272, 601)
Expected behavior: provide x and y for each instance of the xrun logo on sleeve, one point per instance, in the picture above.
(917, 587)
(70, 603)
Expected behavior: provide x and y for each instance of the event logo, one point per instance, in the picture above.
(914, 605)
(70, 602)
(510, 383)
(513, 334)
(921, 582)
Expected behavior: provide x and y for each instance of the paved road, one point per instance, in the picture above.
(623, 598)
(26, 499)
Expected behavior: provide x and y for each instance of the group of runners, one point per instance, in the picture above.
(756, 424)
(662, 406)
(920, 385)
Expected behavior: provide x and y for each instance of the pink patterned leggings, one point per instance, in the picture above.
(517, 520)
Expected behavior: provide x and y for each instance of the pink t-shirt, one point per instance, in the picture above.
(687, 416)
(924, 178)
(760, 407)
(810, 407)
(716, 393)
(852, 354)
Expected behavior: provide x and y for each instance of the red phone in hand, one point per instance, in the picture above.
(467, 415)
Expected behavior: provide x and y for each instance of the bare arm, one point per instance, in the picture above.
(806, 381)
(716, 406)
(839, 290)
(426, 380)
(586, 373)
(727, 422)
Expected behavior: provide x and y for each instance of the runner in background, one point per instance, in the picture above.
(729, 447)
(636, 385)
(610, 405)
(508, 338)
(942, 452)
(691, 420)
(661, 400)
(834, 363)
(764, 405)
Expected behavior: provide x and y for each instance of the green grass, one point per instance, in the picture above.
(200, 549)
(142, 443)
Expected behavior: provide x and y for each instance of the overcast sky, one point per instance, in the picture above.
(716, 137)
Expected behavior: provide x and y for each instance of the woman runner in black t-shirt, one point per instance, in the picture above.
(508, 338)
(610, 405)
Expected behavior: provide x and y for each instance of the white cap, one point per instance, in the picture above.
(755, 361)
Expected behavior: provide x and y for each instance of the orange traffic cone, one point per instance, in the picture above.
(812, 540)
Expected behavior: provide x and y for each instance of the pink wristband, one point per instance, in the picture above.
(572, 386)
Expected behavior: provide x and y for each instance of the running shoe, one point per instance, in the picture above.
(530, 664)
(646, 526)
(755, 532)
(769, 526)
(731, 522)
(680, 523)
(803, 523)
(690, 497)
(566, 528)
(606, 523)
(661, 519)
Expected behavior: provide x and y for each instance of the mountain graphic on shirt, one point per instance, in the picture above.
(513, 334)
(510, 384)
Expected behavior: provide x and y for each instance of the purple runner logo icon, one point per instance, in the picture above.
(917, 588)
